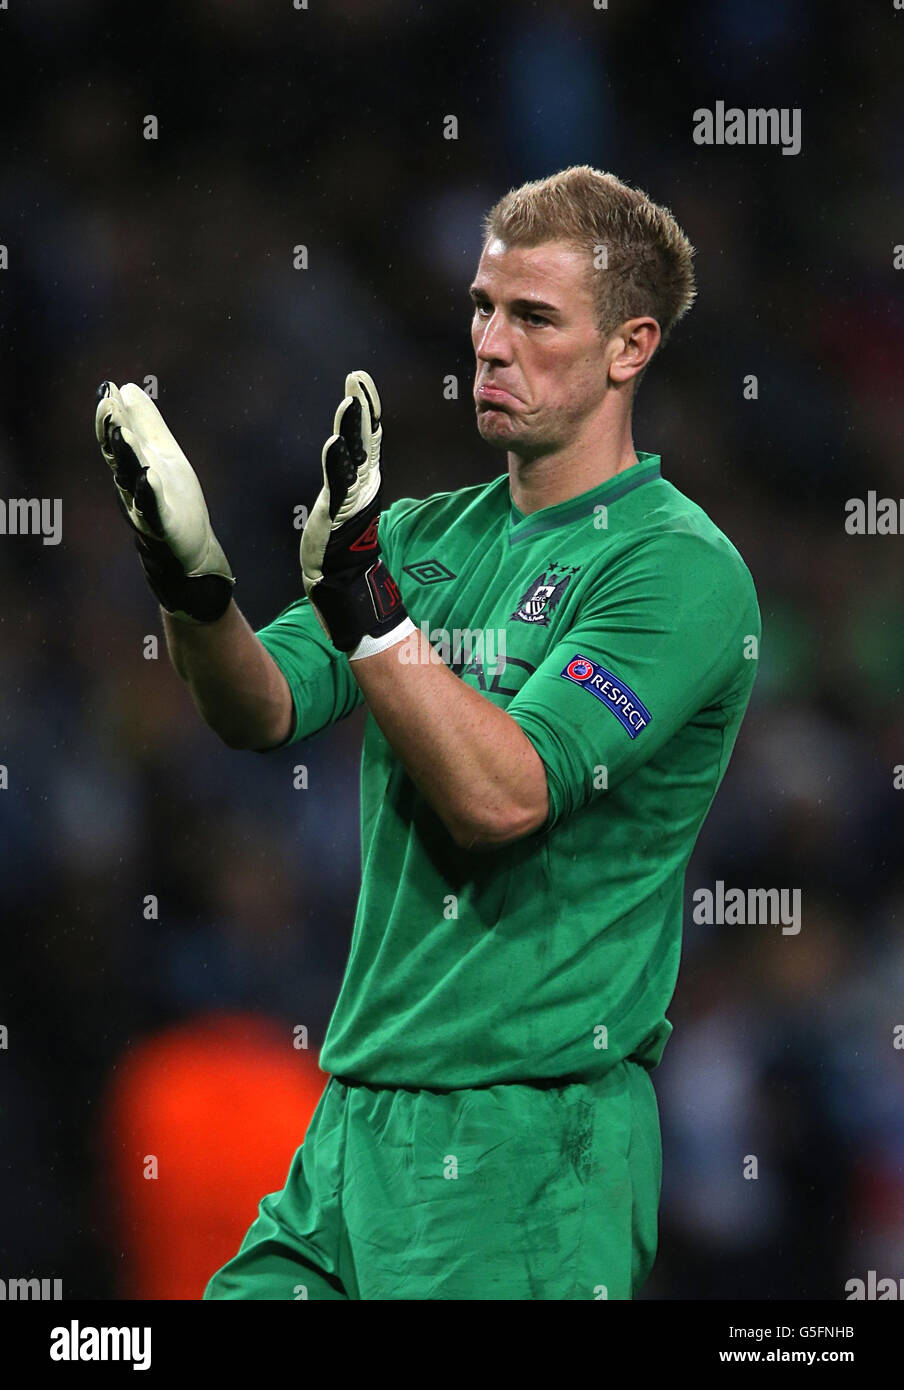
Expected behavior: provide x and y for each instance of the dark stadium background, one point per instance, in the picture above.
(173, 258)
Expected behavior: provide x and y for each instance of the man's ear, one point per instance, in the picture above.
(631, 347)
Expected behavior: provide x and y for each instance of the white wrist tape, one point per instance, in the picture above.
(369, 646)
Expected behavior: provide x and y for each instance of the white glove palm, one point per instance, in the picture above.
(162, 498)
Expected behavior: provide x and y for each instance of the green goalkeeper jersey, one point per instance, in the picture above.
(620, 629)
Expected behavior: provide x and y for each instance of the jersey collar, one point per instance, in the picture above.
(572, 509)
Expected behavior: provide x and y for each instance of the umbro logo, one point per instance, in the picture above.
(368, 538)
(428, 572)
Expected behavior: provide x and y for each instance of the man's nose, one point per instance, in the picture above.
(493, 342)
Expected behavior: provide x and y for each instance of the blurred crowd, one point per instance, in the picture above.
(148, 874)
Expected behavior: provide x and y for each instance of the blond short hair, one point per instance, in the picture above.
(649, 260)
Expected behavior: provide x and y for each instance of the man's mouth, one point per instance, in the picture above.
(494, 396)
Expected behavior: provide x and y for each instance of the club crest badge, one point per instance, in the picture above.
(544, 595)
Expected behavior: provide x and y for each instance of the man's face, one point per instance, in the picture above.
(541, 363)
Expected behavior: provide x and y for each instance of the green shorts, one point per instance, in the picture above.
(503, 1192)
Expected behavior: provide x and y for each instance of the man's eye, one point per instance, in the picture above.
(480, 307)
(537, 317)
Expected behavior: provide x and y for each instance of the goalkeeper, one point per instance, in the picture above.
(489, 1129)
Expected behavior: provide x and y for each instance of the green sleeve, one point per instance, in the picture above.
(666, 633)
(319, 677)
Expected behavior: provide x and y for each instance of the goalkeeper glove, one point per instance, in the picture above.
(162, 500)
(355, 598)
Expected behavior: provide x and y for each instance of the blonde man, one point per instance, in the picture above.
(489, 1129)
